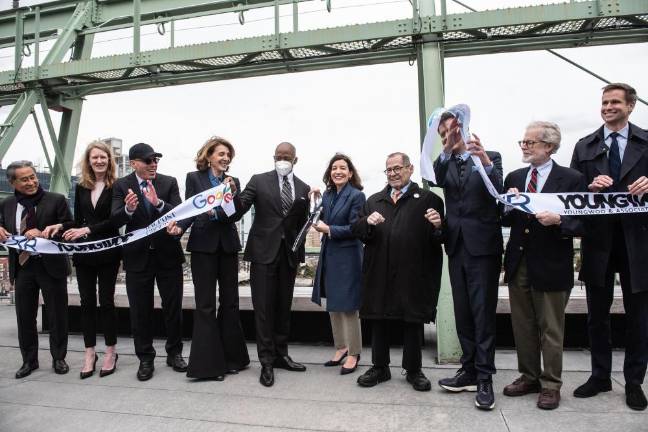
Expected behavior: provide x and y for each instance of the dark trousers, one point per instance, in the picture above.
(599, 301)
(87, 277)
(31, 278)
(139, 287)
(474, 281)
(272, 288)
(412, 342)
(218, 343)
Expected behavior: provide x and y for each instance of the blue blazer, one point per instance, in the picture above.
(339, 271)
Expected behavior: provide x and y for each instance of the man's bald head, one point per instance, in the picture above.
(286, 151)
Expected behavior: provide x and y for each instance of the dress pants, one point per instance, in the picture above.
(31, 278)
(346, 331)
(412, 342)
(599, 301)
(272, 288)
(538, 320)
(139, 287)
(218, 343)
(105, 273)
(474, 281)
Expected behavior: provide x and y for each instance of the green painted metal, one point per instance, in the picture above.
(432, 95)
(42, 140)
(137, 10)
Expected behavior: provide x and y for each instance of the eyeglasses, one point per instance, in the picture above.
(395, 170)
(283, 158)
(529, 143)
(149, 161)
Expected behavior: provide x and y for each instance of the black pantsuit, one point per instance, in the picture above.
(218, 343)
(29, 279)
(88, 277)
(139, 287)
(412, 342)
(474, 281)
(272, 292)
(599, 301)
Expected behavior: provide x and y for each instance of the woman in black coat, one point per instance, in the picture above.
(92, 201)
(218, 344)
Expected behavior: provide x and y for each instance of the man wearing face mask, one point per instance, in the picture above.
(281, 204)
(139, 199)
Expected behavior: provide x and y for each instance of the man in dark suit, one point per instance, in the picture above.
(32, 212)
(615, 159)
(474, 246)
(139, 199)
(539, 266)
(281, 204)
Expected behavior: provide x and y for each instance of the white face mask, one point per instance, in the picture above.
(283, 167)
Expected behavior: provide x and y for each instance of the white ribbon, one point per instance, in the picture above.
(565, 204)
(220, 195)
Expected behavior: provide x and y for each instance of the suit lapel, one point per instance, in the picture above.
(103, 197)
(341, 201)
(633, 152)
(553, 182)
(468, 170)
(41, 210)
(520, 181)
(205, 183)
(272, 180)
(11, 210)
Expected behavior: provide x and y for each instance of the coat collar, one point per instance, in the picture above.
(344, 195)
(385, 194)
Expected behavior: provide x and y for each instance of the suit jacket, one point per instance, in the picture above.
(471, 211)
(206, 234)
(590, 158)
(52, 209)
(98, 219)
(168, 252)
(547, 250)
(270, 227)
(339, 270)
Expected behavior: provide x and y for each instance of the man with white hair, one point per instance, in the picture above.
(538, 266)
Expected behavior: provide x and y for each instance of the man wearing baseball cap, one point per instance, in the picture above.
(139, 199)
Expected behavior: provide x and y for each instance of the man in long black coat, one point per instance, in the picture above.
(400, 227)
(615, 159)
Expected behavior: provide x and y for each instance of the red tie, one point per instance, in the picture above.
(533, 182)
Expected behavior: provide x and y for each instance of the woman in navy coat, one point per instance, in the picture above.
(339, 272)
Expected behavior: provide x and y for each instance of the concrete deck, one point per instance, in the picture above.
(317, 400)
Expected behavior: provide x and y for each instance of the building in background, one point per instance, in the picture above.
(121, 158)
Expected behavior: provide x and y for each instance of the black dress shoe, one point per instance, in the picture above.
(373, 376)
(26, 370)
(285, 362)
(106, 372)
(177, 362)
(485, 398)
(336, 362)
(145, 371)
(88, 374)
(418, 380)
(592, 387)
(462, 381)
(345, 371)
(267, 376)
(60, 366)
(635, 397)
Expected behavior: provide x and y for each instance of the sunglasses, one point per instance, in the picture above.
(149, 161)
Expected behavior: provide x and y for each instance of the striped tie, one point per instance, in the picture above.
(23, 256)
(532, 187)
(286, 196)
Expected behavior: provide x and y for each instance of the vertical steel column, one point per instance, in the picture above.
(431, 96)
(69, 128)
(137, 7)
(18, 48)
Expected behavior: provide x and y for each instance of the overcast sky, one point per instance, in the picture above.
(366, 112)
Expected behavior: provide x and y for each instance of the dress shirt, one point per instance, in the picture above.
(290, 180)
(543, 174)
(445, 157)
(622, 139)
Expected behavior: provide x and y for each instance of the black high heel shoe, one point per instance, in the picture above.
(106, 372)
(88, 374)
(344, 371)
(336, 362)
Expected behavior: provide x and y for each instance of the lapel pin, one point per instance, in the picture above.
(416, 195)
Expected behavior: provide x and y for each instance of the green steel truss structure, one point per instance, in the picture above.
(427, 36)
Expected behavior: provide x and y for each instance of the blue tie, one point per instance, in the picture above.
(615, 159)
(147, 204)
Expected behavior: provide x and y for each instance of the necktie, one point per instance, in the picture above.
(461, 167)
(23, 256)
(147, 204)
(395, 195)
(286, 196)
(614, 158)
(532, 187)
